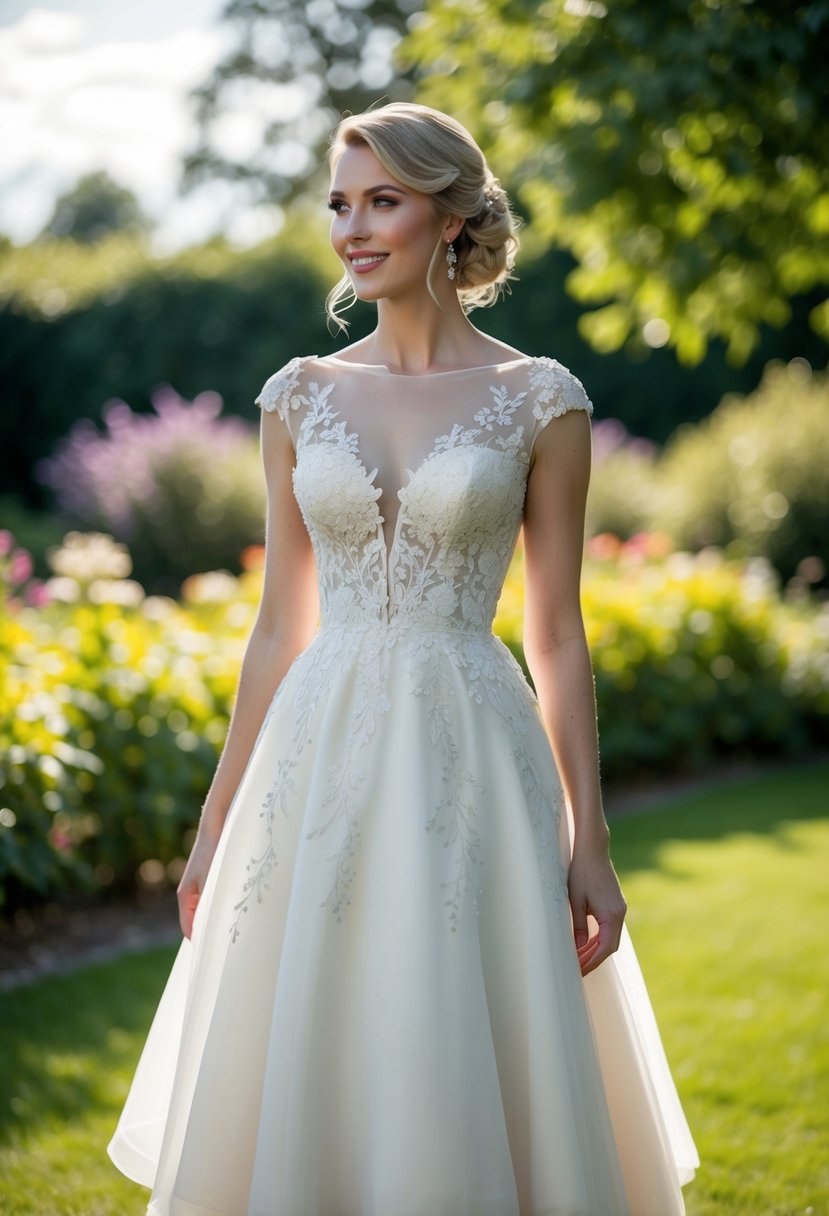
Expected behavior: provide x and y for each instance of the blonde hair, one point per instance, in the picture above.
(433, 154)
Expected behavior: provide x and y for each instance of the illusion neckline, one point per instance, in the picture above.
(455, 371)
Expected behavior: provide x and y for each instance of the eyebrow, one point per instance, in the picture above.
(372, 190)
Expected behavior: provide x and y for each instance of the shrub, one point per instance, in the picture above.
(754, 476)
(182, 487)
(695, 657)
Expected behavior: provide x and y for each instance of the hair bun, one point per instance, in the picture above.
(487, 246)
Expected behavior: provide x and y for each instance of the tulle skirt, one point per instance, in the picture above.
(380, 1011)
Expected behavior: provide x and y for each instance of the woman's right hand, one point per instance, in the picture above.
(189, 890)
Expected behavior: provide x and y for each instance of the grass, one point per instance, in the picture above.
(729, 898)
(68, 1046)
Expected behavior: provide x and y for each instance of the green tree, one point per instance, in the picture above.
(95, 207)
(679, 150)
(267, 110)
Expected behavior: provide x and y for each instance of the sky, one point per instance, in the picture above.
(104, 84)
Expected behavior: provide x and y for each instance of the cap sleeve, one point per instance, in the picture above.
(555, 390)
(279, 392)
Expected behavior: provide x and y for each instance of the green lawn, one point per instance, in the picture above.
(729, 899)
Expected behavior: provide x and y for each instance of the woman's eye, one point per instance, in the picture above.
(337, 204)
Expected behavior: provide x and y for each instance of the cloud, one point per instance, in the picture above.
(44, 30)
(72, 103)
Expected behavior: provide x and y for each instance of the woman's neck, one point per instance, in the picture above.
(415, 337)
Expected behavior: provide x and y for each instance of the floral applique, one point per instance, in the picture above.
(556, 390)
(278, 390)
(305, 684)
(342, 805)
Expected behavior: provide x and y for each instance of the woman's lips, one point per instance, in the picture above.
(364, 263)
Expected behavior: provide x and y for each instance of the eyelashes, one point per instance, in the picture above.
(337, 205)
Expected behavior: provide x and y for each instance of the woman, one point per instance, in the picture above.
(404, 987)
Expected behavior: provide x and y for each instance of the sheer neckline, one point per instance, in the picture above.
(455, 371)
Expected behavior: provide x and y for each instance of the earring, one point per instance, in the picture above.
(451, 259)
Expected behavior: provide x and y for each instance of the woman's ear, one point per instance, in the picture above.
(452, 227)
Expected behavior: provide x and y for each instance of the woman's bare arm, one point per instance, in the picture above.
(559, 660)
(285, 623)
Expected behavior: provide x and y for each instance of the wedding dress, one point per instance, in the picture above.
(380, 1010)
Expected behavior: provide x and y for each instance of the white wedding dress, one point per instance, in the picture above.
(380, 1011)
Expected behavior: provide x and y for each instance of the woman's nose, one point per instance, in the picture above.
(357, 224)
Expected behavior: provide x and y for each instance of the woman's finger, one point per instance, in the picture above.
(605, 943)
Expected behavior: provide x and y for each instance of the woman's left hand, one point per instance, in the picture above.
(594, 891)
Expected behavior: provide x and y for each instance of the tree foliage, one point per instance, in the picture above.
(679, 150)
(293, 69)
(93, 209)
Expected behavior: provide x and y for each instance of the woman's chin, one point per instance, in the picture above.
(368, 292)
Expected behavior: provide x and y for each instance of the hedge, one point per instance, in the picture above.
(83, 325)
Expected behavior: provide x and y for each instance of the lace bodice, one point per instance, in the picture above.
(412, 487)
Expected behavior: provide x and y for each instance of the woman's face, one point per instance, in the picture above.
(385, 233)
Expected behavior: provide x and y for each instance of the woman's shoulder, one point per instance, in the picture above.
(554, 389)
(551, 386)
(280, 389)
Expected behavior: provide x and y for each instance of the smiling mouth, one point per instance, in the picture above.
(368, 261)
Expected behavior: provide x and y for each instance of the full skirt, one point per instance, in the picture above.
(380, 1010)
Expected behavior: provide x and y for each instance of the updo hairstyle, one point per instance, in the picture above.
(433, 154)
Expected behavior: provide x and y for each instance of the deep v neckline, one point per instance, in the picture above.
(331, 427)
(450, 427)
(381, 521)
(386, 549)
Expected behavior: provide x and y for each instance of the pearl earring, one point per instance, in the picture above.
(451, 259)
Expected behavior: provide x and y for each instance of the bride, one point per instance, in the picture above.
(405, 987)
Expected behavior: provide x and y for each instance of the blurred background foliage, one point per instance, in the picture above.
(82, 325)
(753, 478)
(670, 164)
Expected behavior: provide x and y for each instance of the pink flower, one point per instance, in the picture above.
(648, 544)
(21, 566)
(659, 544)
(603, 546)
(6, 542)
(37, 594)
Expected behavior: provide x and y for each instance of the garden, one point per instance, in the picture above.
(669, 167)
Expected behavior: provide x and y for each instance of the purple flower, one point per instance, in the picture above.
(110, 479)
(610, 435)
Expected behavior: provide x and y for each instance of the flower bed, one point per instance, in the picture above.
(114, 705)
